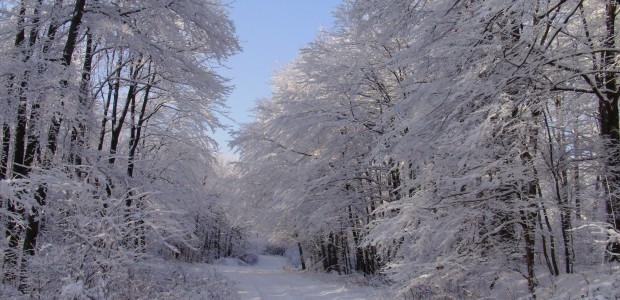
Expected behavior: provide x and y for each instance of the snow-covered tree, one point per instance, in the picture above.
(106, 111)
(457, 144)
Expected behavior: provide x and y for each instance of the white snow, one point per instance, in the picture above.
(72, 290)
(271, 278)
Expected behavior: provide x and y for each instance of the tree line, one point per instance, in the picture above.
(106, 108)
(455, 148)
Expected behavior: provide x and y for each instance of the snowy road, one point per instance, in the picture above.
(268, 280)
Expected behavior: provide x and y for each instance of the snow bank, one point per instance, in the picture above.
(230, 261)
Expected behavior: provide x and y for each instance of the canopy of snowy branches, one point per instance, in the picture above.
(460, 149)
(106, 109)
(449, 148)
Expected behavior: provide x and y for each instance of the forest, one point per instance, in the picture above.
(106, 156)
(443, 148)
(456, 149)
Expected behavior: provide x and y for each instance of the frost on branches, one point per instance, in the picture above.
(453, 148)
(105, 109)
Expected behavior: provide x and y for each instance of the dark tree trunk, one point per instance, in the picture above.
(6, 147)
(560, 180)
(34, 218)
(527, 221)
(344, 250)
(552, 262)
(78, 130)
(137, 124)
(301, 256)
(324, 256)
(13, 230)
(118, 121)
(529, 211)
(332, 254)
(34, 221)
(112, 99)
(67, 55)
(394, 181)
(137, 128)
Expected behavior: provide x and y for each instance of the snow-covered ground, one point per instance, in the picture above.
(270, 278)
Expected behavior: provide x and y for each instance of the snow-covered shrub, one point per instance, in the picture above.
(250, 258)
(275, 249)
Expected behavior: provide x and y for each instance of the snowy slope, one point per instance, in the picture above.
(269, 279)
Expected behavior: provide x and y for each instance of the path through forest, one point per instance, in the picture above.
(268, 279)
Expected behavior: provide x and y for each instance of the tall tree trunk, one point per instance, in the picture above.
(112, 98)
(118, 121)
(553, 269)
(137, 126)
(527, 224)
(554, 263)
(79, 128)
(529, 209)
(67, 55)
(33, 221)
(13, 229)
(560, 180)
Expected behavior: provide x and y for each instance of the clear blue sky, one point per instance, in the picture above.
(271, 32)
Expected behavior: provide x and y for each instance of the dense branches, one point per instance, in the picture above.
(106, 110)
(455, 145)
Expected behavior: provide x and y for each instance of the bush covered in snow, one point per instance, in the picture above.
(250, 258)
